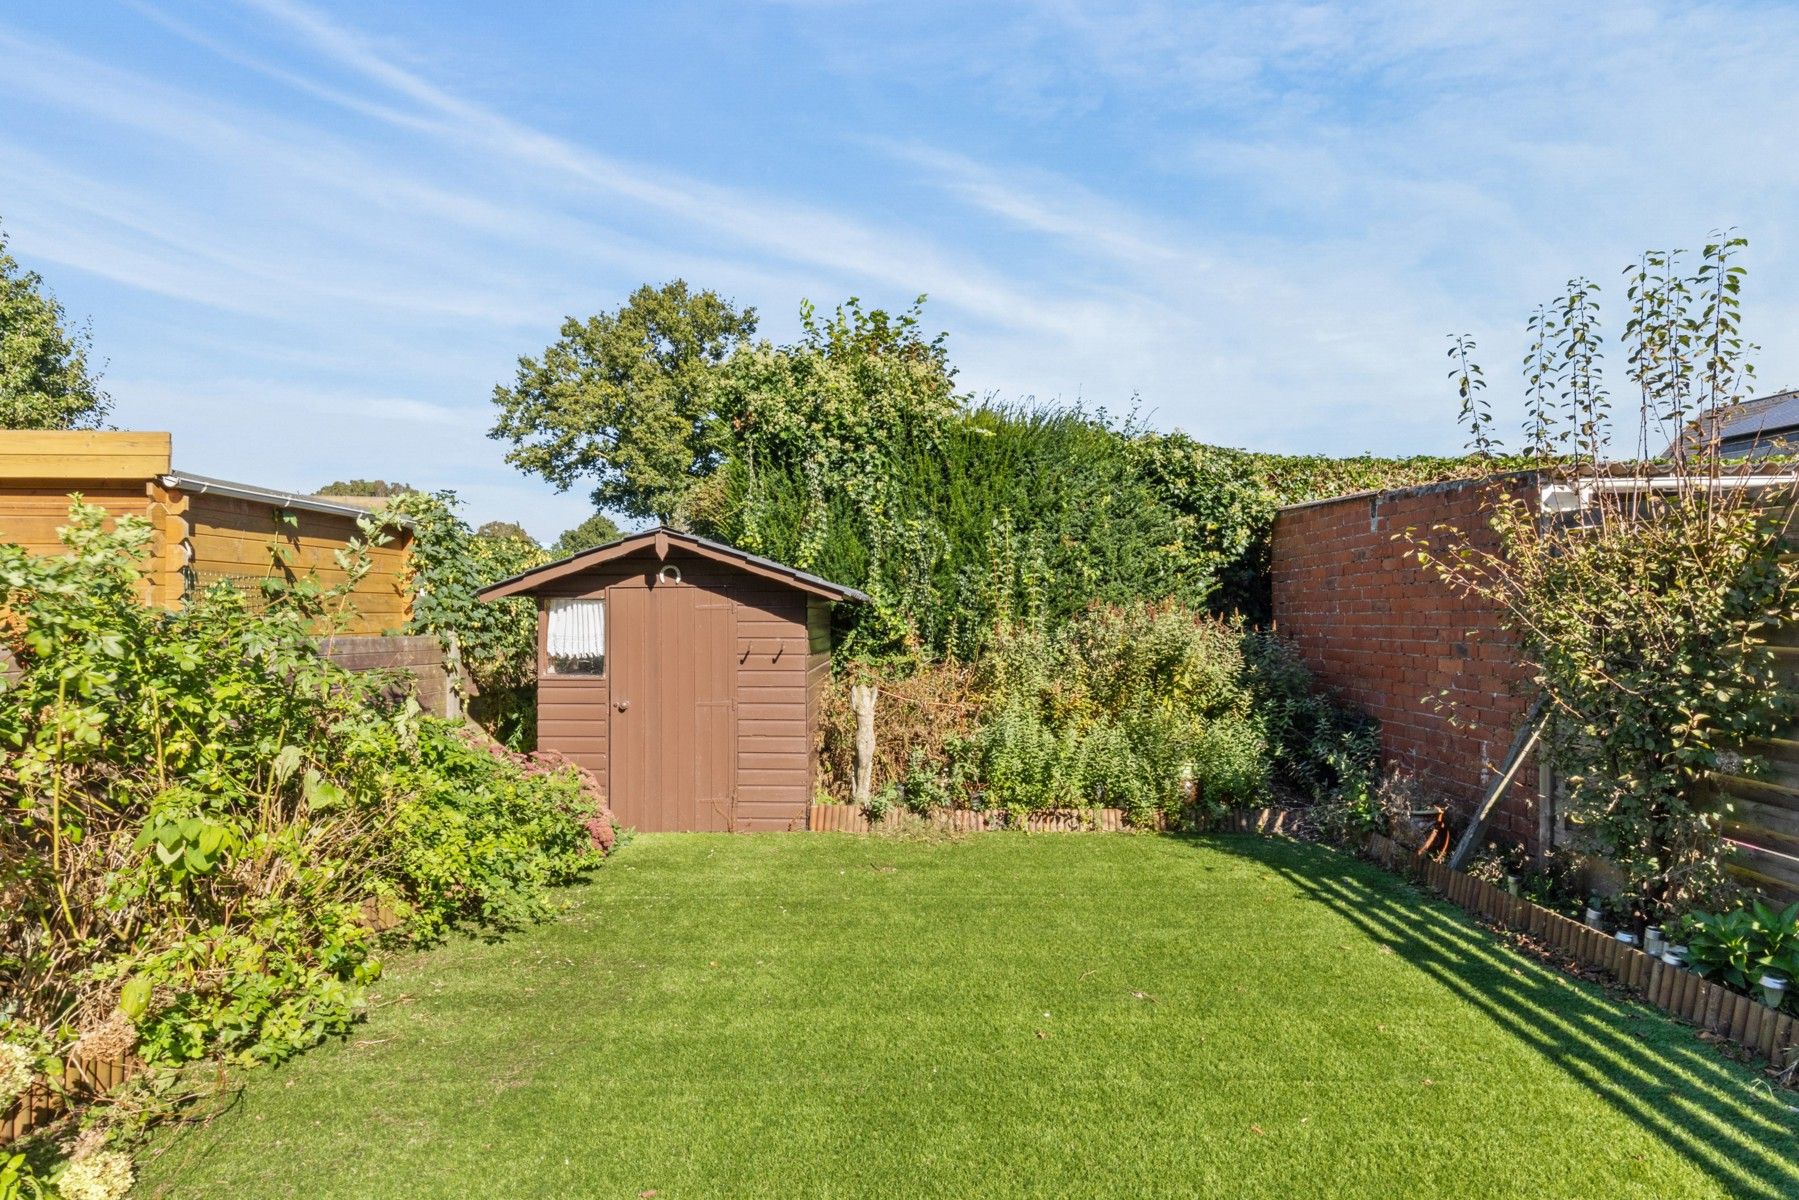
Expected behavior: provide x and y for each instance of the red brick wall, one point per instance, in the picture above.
(1435, 668)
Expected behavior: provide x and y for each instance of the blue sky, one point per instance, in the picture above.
(311, 237)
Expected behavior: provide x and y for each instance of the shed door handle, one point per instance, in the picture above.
(622, 705)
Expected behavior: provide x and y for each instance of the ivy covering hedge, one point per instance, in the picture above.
(208, 833)
(496, 643)
(851, 455)
(850, 452)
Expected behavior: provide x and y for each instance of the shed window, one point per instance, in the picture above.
(577, 637)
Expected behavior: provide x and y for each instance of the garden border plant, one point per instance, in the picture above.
(1162, 711)
(209, 834)
(1694, 994)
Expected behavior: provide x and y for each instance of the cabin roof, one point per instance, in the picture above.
(203, 485)
(659, 540)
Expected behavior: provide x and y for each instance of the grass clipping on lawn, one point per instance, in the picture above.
(996, 1015)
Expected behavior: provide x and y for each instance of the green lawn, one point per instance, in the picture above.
(1005, 1015)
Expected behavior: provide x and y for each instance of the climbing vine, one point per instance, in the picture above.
(496, 642)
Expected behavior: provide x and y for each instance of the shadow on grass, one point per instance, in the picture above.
(1673, 1085)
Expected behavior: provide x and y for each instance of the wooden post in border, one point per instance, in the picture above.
(1522, 744)
(862, 703)
(455, 683)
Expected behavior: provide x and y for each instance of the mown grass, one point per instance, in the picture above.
(1004, 1015)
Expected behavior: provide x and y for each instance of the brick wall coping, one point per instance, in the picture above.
(1417, 489)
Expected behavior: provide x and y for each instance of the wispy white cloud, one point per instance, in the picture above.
(1262, 218)
(1164, 290)
(143, 243)
(1370, 177)
(795, 232)
(333, 222)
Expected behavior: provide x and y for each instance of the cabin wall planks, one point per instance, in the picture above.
(197, 538)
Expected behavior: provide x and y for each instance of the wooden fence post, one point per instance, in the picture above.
(455, 682)
(862, 702)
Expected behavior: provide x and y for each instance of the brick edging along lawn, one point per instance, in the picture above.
(1762, 1031)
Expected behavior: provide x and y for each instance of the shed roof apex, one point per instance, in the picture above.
(660, 539)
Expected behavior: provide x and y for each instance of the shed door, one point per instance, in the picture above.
(673, 744)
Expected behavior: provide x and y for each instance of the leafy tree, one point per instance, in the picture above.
(45, 379)
(1644, 613)
(818, 430)
(364, 487)
(596, 530)
(629, 398)
(505, 531)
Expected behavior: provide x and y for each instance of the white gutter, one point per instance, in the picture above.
(1572, 497)
(206, 486)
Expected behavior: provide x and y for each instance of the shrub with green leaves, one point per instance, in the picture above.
(1737, 948)
(1317, 746)
(1126, 706)
(208, 831)
(1152, 708)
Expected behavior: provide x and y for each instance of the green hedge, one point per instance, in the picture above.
(1006, 513)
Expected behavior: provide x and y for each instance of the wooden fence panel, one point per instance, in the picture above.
(420, 656)
(39, 1105)
(1761, 816)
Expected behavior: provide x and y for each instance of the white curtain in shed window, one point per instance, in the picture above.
(577, 629)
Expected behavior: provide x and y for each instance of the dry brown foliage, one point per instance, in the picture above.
(923, 707)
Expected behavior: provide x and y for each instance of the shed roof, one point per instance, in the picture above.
(659, 540)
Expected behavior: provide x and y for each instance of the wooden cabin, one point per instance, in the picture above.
(203, 529)
(687, 675)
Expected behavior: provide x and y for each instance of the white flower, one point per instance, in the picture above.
(102, 1175)
(17, 1068)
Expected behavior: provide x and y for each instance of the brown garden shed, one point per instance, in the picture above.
(686, 674)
